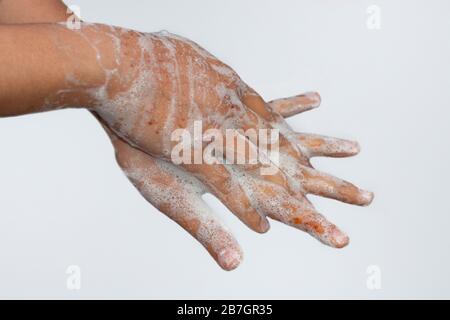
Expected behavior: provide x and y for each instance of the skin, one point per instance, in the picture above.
(140, 96)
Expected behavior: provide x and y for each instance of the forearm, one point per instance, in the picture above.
(32, 11)
(48, 66)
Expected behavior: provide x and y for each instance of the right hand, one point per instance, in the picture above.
(157, 83)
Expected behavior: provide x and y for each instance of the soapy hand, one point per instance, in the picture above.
(178, 194)
(144, 87)
(162, 82)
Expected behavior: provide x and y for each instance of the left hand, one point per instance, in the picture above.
(177, 193)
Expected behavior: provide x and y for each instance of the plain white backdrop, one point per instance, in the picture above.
(64, 201)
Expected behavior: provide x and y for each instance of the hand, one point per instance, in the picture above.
(171, 79)
(145, 86)
(178, 194)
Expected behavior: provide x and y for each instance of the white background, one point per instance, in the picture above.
(64, 201)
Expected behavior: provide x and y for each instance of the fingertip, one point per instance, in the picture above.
(366, 197)
(257, 223)
(361, 198)
(315, 98)
(355, 147)
(344, 148)
(339, 239)
(263, 227)
(229, 258)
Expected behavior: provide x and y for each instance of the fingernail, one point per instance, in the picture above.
(354, 147)
(315, 99)
(264, 226)
(339, 239)
(229, 259)
(366, 197)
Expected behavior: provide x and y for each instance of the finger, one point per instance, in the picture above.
(267, 118)
(256, 103)
(316, 183)
(264, 170)
(306, 218)
(291, 106)
(317, 146)
(253, 157)
(178, 195)
(227, 188)
(297, 212)
(325, 185)
(251, 121)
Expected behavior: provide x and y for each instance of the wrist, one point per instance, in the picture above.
(106, 67)
(88, 65)
(47, 66)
